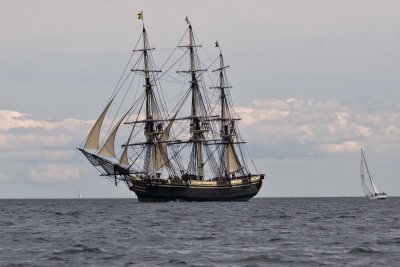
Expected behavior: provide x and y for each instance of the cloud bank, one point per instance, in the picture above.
(39, 149)
(320, 127)
(43, 149)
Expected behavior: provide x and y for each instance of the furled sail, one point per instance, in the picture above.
(232, 160)
(161, 147)
(92, 141)
(108, 149)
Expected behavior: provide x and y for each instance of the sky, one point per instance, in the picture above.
(313, 81)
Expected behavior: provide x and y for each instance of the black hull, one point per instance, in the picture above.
(153, 192)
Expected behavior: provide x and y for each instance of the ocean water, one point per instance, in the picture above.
(261, 232)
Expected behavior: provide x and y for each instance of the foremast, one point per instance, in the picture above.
(153, 123)
(149, 124)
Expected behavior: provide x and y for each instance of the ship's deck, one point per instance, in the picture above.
(239, 181)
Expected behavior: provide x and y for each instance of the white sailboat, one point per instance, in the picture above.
(371, 191)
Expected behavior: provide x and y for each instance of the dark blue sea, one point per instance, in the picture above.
(261, 232)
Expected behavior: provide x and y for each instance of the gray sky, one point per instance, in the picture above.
(313, 81)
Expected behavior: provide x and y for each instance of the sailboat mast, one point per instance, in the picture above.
(196, 130)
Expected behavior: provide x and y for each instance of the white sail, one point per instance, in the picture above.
(124, 157)
(365, 188)
(161, 148)
(374, 187)
(108, 149)
(232, 160)
(92, 141)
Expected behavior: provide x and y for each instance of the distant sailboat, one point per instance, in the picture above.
(79, 195)
(374, 193)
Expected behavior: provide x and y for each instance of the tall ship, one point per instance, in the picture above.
(170, 136)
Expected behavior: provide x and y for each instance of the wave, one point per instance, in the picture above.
(68, 213)
(392, 241)
(362, 250)
(6, 223)
(79, 248)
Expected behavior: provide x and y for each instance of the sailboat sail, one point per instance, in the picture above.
(233, 163)
(365, 188)
(124, 157)
(374, 187)
(108, 149)
(92, 141)
(161, 148)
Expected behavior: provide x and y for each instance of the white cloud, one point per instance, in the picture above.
(33, 140)
(42, 155)
(277, 127)
(321, 126)
(11, 119)
(34, 145)
(21, 132)
(344, 147)
(52, 173)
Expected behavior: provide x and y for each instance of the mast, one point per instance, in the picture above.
(224, 127)
(196, 130)
(369, 175)
(149, 127)
(226, 137)
(227, 131)
(196, 127)
(365, 188)
(202, 157)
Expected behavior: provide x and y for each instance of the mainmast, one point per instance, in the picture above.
(197, 132)
(196, 127)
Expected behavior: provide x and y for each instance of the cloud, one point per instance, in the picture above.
(52, 173)
(319, 127)
(33, 140)
(11, 119)
(347, 146)
(43, 148)
(41, 155)
(273, 128)
(22, 132)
